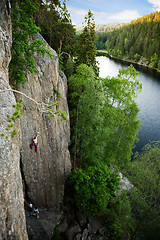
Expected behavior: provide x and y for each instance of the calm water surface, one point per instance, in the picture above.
(148, 100)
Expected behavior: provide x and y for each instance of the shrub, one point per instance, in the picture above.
(93, 188)
(137, 57)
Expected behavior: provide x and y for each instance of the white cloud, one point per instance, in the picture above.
(77, 16)
(156, 4)
(77, 12)
(124, 16)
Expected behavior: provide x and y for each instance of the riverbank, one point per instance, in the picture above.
(141, 61)
(148, 100)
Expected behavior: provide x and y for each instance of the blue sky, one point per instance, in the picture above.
(109, 11)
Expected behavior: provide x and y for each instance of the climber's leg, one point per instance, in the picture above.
(36, 148)
(31, 145)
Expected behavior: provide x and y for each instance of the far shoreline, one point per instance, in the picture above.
(139, 63)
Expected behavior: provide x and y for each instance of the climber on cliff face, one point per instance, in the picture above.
(34, 143)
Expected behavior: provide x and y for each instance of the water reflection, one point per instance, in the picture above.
(148, 100)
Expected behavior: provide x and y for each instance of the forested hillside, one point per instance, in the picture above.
(108, 27)
(138, 39)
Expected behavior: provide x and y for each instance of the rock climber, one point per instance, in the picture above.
(36, 211)
(34, 143)
(30, 209)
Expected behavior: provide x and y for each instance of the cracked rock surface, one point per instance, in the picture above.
(12, 217)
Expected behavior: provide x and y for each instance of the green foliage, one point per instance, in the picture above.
(93, 188)
(137, 57)
(159, 65)
(120, 115)
(103, 116)
(145, 196)
(57, 29)
(87, 49)
(119, 222)
(23, 47)
(154, 60)
(144, 60)
(101, 31)
(139, 38)
(56, 92)
(119, 54)
(12, 120)
(117, 231)
(56, 235)
(86, 102)
(14, 133)
(153, 17)
(52, 113)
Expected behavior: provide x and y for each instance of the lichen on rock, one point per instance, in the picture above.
(45, 171)
(12, 217)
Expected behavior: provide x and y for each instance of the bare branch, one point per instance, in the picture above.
(64, 53)
(16, 91)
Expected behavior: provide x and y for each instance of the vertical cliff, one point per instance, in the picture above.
(12, 218)
(45, 171)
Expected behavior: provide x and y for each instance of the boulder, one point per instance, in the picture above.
(72, 231)
(96, 223)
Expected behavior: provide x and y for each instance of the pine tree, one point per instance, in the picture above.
(87, 48)
(56, 27)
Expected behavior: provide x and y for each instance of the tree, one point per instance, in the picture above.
(119, 222)
(139, 37)
(103, 116)
(154, 60)
(93, 188)
(120, 115)
(46, 16)
(87, 49)
(145, 196)
(56, 26)
(23, 48)
(137, 57)
(86, 102)
(57, 29)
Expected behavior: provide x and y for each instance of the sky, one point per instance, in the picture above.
(110, 11)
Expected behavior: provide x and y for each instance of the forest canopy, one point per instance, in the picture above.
(140, 38)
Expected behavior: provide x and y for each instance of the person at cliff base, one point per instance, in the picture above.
(30, 209)
(36, 211)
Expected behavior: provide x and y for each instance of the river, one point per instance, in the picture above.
(148, 100)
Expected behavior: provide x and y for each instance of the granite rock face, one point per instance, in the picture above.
(44, 171)
(12, 218)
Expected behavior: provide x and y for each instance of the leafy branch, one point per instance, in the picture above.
(23, 46)
(43, 107)
(11, 119)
